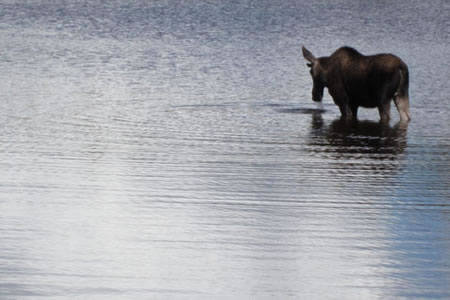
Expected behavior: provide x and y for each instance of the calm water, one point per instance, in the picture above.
(171, 150)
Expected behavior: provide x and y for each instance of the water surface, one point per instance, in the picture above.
(171, 150)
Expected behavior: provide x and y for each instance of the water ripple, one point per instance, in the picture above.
(173, 150)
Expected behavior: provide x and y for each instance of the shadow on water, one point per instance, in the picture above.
(304, 111)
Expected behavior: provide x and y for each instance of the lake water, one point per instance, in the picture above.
(171, 150)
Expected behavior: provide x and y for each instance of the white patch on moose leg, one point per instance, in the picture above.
(402, 104)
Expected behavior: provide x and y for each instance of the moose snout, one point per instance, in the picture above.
(317, 95)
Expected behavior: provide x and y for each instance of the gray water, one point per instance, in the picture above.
(171, 150)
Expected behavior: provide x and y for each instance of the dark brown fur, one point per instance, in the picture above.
(355, 80)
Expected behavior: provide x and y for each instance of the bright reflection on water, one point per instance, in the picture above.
(167, 149)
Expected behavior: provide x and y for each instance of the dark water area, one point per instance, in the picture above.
(171, 150)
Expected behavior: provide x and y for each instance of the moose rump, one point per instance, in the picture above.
(355, 80)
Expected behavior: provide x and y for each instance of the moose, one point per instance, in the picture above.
(355, 80)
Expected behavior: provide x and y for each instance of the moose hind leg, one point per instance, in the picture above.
(385, 111)
(354, 109)
(402, 103)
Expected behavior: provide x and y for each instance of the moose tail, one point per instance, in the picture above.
(402, 96)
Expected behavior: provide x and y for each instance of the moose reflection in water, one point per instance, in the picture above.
(355, 80)
(356, 140)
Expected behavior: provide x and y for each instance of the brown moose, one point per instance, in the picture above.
(355, 80)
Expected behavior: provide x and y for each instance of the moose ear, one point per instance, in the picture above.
(308, 56)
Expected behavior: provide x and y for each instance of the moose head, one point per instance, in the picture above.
(317, 74)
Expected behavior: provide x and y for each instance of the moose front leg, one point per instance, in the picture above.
(346, 111)
(341, 99)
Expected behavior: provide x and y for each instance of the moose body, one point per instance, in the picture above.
(355, 80)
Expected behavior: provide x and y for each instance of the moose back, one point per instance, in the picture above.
(355, 80)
